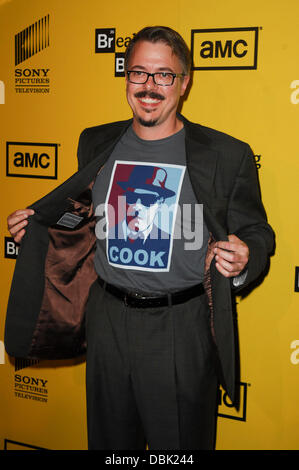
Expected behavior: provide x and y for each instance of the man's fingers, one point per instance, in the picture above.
(231, 268)
(225, 272)
(225, 245)
(231, 256)
(233, 263)
(16, 227)
(17, 221)
(19, 236)
(18, 216)
(231, 271)
(14, 219)
(229, 246)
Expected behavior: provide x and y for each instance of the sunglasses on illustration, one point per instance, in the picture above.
(145, 199)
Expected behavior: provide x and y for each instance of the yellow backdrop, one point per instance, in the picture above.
(61, 71)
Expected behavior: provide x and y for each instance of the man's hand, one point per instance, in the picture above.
(16, 223)
(231, 256)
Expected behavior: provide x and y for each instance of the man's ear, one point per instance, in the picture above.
(185, 82)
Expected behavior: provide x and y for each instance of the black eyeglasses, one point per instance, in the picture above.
(145, 199)
(160, 78)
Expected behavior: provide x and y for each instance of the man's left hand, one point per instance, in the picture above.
(231, 256)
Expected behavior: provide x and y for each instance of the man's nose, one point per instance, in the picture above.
(138, 203)
(135, 206)
(150, 83)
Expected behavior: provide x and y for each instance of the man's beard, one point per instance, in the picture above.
(151, 123)
(153, 95)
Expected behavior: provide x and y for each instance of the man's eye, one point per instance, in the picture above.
(164, 74)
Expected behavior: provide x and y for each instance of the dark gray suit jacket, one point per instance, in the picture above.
(54, 269)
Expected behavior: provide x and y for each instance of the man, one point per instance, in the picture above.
(158, 341)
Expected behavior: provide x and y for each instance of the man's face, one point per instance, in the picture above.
(142, 207)
(154, 104)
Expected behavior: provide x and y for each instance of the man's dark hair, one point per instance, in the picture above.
(168, 36)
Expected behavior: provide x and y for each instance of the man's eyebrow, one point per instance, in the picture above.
(165, 69)
(139, 67)
(160, 69)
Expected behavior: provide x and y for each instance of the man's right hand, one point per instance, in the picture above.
(16, 223)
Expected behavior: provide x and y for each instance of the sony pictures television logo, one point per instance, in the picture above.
(224, 48)
(31, 388)
(29, 43)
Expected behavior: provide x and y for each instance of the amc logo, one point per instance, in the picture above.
(227, 410)
(224, 48)
(31, 160)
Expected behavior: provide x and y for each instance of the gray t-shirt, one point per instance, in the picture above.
(150, 232)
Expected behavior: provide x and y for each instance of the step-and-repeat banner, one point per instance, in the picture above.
(62, 70)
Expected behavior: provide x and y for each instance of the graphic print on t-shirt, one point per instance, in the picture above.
(141, 207)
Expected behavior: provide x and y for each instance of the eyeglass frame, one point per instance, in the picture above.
(147, 200)
(174, 75)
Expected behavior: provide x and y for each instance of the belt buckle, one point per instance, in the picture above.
(131, 299)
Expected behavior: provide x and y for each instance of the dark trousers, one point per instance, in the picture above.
(150, 375)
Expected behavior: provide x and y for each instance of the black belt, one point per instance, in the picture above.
(137, 300)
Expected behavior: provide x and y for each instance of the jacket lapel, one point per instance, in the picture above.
(202, 165)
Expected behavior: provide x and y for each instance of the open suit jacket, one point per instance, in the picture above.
(54, 269)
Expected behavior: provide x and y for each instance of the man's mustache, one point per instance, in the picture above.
(149, 94)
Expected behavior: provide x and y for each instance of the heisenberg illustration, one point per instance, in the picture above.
(141, 207)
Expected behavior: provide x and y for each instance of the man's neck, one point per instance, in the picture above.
(160, 131)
